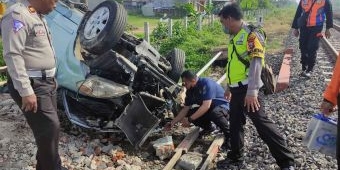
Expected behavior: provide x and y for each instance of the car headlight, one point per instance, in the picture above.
(98, 87)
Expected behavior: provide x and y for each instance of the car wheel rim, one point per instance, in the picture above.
(96, 23)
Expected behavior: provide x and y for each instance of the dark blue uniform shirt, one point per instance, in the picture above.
(205, 89)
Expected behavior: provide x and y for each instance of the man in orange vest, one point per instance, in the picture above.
(331, 99)
(314, 14)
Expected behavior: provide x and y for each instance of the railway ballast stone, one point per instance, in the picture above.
(190, 161)
(164, 147)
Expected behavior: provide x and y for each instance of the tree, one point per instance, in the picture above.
(190, 10)
(249, 4)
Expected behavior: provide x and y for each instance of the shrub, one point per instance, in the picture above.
(2, 62)
(196, 44)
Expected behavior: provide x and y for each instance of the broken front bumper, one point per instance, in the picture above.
(137, 122)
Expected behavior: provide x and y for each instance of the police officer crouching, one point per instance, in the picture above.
(212, 106)
(30, 61)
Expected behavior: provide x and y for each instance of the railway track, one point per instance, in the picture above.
(332, 48)
(188, 141)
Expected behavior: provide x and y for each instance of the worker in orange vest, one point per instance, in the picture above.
(331, 99)
(309, 18)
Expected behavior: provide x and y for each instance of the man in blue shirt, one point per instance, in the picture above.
(208, 96)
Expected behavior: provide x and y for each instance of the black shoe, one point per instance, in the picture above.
(288, 168)
(231, 164)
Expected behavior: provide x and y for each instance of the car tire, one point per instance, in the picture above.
(176, 57)
(103, 27)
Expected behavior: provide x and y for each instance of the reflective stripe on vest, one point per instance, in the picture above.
(236, 70)
(317, 14)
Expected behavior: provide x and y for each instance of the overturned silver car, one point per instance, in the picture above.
(109, 80)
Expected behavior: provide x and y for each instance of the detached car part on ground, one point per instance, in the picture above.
(109, 80)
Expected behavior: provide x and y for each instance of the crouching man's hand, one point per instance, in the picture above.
(185, 122)
(227, 95)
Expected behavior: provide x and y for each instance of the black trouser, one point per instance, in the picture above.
(338, 136)
(44, 123)
(309, 44)
(266, 129)
(219, 115)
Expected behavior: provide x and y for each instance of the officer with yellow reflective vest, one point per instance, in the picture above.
(245, 59)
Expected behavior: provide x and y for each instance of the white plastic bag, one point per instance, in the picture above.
(321, 135)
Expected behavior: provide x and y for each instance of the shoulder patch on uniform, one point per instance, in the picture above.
(251, 41)
(251, 36)
(17, 25)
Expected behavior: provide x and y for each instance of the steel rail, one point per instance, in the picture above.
(205, 67)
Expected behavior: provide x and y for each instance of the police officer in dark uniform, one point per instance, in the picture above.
(30, 61)
(211, 106)
(310, 34)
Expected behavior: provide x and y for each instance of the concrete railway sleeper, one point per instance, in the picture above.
(184, 147)
(188, 141)
(331, 46)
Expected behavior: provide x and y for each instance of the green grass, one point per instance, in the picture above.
(277, 25)
(198, 46)
(3, 78)
(138, 21)
(136, 24)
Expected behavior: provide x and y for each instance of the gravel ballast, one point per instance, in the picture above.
(291, 110)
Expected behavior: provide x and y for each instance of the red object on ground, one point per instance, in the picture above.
(284, 75)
